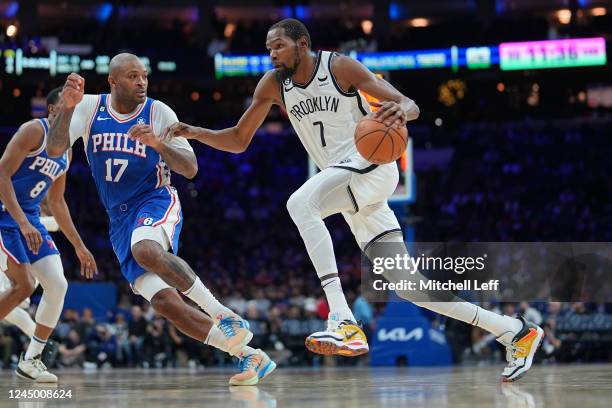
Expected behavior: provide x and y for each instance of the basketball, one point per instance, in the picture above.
(379, 143)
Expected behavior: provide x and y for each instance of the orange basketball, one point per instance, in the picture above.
(379, 143)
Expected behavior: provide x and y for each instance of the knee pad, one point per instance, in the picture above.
(300, 208)
(50, 273)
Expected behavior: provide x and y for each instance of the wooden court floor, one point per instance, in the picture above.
(583, 386)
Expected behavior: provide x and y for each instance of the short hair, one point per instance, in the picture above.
(53, 96)
(294, 29)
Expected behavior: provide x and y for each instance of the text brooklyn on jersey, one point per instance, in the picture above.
(314, 104)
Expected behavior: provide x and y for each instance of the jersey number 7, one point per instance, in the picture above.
(321, 131)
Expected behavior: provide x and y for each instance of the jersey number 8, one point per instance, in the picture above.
(38, 188)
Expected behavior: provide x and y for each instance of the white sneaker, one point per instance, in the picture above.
(521, 349)
(343, 338)
(35, 370)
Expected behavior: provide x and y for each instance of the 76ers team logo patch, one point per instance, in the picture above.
(140, 121)
(146, 221)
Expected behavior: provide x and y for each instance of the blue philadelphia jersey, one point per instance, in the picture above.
(33, 179)
(123, 169)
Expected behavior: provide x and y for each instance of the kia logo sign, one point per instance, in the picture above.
(400, 334)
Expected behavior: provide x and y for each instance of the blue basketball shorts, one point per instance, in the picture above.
(157, 216)
(14, 246)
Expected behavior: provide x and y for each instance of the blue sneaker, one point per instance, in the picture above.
(236, 330)
(253, 368)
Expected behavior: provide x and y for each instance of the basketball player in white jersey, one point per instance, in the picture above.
(319, 91)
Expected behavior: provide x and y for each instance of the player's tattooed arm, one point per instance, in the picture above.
(395, 108)
(58, 138)
(235, 139)
(28, 138)
(181, 161)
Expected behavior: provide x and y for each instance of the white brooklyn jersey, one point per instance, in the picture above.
(324, 116)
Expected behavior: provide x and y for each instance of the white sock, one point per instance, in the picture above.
(502, 326)
(217, 339)
(23, 320)
(336, 300)
(35, 348)
(205, 299)
(477, 316)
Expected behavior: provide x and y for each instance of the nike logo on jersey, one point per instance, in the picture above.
(118, 142)
(288, 84)
(101, 118)
(322, 79)
(315, 104)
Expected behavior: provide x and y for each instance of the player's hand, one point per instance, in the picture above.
(391, 113)
(73, 91)
(32, 236)
(145, 135)
(88, 263)
(181, 129)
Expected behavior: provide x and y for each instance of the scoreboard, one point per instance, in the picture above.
(17, 62)
(577, 52)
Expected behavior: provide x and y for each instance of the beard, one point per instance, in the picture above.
(285, 72)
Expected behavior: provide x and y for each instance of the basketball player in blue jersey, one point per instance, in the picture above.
(319, 91)
(27, 175)
(20, 316)
(131, 167)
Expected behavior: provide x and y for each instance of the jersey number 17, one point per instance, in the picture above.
(110, 164)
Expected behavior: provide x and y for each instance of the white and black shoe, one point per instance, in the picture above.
(520, 351)
(34, 370)
(342, 338)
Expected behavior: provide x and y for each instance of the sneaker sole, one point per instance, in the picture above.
(329, 348)
(251, 381)
(529, 360)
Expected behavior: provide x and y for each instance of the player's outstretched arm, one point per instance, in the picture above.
(27, 139)
(181, 161)
(396, 108)
(61, 213)
(235, 139)
(58, 138)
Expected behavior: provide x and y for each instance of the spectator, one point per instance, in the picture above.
(137, 330)
(103, 346)
(86, 325)
(72, 351)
